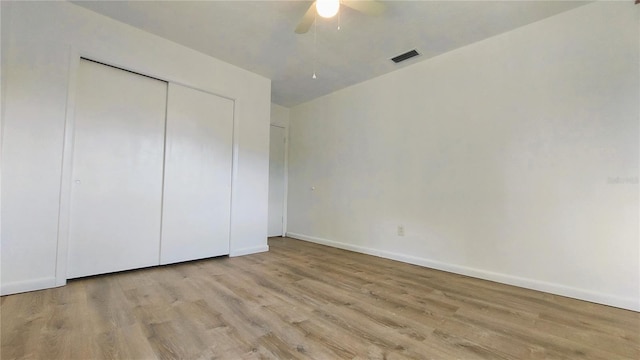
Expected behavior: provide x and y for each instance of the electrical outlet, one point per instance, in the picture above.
(400, 230)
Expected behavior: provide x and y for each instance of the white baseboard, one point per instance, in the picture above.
(29, 285)
(553, 288)
(50, 282)
(248, 250)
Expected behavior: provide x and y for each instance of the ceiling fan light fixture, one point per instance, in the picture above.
(327, 8)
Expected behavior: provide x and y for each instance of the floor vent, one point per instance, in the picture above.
(405, 56)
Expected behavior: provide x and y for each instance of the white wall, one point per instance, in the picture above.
(37, 55)
(279, 115)
(513, 159)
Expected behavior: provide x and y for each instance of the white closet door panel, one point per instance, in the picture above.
(277, 150)
(197, 182)
(116, 197)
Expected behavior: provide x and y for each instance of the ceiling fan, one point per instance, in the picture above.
(329, 8)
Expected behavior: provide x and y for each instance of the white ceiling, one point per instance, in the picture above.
(259, 35)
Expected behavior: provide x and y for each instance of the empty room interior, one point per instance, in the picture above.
(352, 179)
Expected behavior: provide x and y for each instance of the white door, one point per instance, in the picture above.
(116, 195)
(276, 180)
(197, 184)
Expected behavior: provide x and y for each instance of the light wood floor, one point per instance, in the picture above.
(302, 300)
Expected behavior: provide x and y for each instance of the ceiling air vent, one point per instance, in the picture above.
(405, 56)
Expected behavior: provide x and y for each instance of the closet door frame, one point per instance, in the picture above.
(68, 150)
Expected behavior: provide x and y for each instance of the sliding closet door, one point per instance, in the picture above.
(116, 195)
(197, 182)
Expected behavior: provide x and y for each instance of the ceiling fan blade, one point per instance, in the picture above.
(369, 7)
(307, 19)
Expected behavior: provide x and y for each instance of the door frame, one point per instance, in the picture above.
(64, 219)
(286, 175)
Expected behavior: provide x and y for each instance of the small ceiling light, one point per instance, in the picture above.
(327, 8)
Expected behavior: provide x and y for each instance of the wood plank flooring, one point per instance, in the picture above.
(307, 301)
